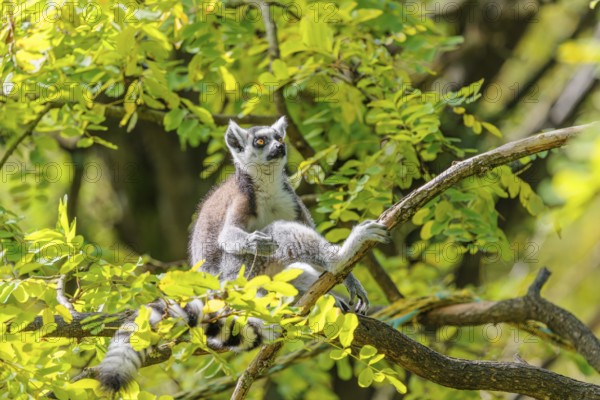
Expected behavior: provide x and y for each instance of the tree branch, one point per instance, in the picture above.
(403, 211)
(529, 307)
(61, 297)
(383, 279)
(469, 375)
(26, 133)
(80, 327)
(292, 130)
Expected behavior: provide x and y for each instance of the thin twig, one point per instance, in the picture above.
(382, 278)
(61, 297)
(26, 133)
(293, 133)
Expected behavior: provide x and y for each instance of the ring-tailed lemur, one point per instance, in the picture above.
(255, 219)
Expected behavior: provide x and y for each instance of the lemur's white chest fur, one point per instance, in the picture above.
(273, 202)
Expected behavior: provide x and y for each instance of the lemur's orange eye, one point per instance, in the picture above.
(260, 142)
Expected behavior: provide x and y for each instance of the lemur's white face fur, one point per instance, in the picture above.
(259, 146)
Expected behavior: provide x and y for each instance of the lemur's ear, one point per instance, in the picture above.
(280, 125)
(235, 137)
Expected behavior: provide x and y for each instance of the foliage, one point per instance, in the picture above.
(356, 80)
(51, 253)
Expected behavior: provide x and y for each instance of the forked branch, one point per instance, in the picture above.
(403, 211)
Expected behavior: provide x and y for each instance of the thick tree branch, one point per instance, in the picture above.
(469, 375)
(80, 327)
(403, 211)
(529, 307)
(447, 371)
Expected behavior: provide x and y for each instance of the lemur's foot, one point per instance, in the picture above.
(358, 295)
(372, 231)
(260, 243)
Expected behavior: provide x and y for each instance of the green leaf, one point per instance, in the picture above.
(376, 359)
(280, 70)
(62, 215)
(72, 263)
(365, 14)
(347, 331)
(400, 387)
(188, 283)
(288, 274)
(442, 210)
(64, 313)
(105, 143)
(338, 354)
(337, 234)
(426, 230)
(282, 288)
(468, 120)
(419, 217)
(85, 142)
(367, 351)
(142, 335)
(365, 378)
(47, 317)
(173, 118)
(535, 205)
(316, 34)
(229, 80)
(492, 129)
(318, 315)
(258, 281)
(202, 113)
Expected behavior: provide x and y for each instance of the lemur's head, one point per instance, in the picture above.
(259, 145)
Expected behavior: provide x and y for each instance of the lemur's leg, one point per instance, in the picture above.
(308, 277)
(300, 243)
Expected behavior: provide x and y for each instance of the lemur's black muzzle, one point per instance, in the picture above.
(278, 151)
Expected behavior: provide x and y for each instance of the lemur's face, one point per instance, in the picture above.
(259, 145)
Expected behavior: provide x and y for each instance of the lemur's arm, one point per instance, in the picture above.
(235, 240)
(299, 243)
(355, 288)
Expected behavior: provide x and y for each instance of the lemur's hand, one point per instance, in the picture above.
(371, 230)
(356, 290)
(260, 243)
